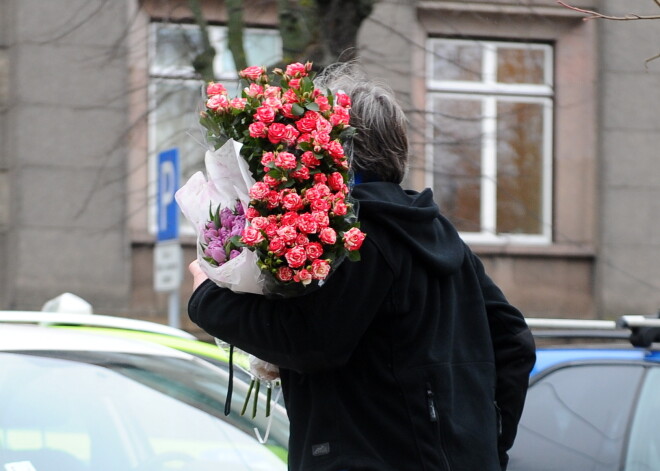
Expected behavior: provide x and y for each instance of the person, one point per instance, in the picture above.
(409, 359)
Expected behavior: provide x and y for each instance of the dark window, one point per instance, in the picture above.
(575, 419)
(644, 446)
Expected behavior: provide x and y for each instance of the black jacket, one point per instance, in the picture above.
(406, 360)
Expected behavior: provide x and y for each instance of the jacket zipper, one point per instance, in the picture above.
(433, 417)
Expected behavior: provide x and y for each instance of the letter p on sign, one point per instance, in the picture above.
(167, 214)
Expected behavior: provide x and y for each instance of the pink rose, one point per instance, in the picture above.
(286, 110)
(307, 223)
(266, 158)
(320, 204)
(322, 101)
(320, 269)
(335, 149)
(302, 240)
(343, 100)
(276, 132)
(270, 181)
(272, 92)
(238, 103)
(320, 177)
(291, 133)
(259, 191)
(265, 114)
(303, 276)
(288, 233)
(217, 102)
(321, 218)
(328, 236)
(353, 238)
(335, 181)
(252, 73)
(259, 222)
(323, 125)
(254, 90)
(292, 202)
(251, 213)
(284, 274)
(339, 117)
(277, 246)
(252, 236)
(296, 70)
(290, 218)
(286, 160)
(258, 129)
(339, 208)
(309, 159)
(314, 250)
(271, 229)
(320, 138)
(273, 199)
(290, 97)
(294, 83)
(301, 174)
(308, 122)
(215, 89)
(296, 256)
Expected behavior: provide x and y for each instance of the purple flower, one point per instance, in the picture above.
(216, 251)
(234, 253)
(227, 217)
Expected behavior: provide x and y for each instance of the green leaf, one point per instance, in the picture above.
(312, 106)
(297, 110)
(354, 255)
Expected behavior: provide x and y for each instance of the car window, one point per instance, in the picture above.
(60, 415)
(644, 445)
(575, 419)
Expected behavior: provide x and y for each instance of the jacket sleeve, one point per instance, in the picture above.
(515, 355)
(315, 331)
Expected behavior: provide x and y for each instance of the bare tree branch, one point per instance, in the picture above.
(594, 14)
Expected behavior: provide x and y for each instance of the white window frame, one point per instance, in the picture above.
(490, 92)
(217, 37)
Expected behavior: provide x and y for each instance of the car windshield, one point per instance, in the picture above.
(106, 411)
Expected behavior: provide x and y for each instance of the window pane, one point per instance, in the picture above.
(262, 47)
(457, 160)
(644, 448)
(454, 60)
(176, 47)
(575, 419)
(519, 167)
(520, 65)
(176, 122)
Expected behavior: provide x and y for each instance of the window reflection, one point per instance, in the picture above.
(575, 419)
(457, 174)
(519, 167)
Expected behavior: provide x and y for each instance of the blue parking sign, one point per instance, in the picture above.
(167, 212)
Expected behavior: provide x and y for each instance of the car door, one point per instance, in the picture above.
(577, 417)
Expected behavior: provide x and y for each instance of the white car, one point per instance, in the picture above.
(72, 400)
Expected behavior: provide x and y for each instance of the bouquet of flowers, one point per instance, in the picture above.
(278, 214)
(300, 220)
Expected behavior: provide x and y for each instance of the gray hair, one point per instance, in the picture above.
(380, 145)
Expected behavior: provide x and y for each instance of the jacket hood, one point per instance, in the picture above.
(414, 219)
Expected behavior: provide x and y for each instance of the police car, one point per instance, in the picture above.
(593, 401)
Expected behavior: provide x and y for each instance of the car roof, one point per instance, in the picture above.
(40, 338)
(98, 320)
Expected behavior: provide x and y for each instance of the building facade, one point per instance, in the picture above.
(536, 129)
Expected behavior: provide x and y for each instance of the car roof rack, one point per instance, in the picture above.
(90, 320)
(641, 331)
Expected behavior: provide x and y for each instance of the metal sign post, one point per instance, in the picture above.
(168, 257)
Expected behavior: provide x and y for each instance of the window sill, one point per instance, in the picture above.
(551, 251)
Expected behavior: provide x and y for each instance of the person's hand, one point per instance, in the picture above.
(198, 275)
